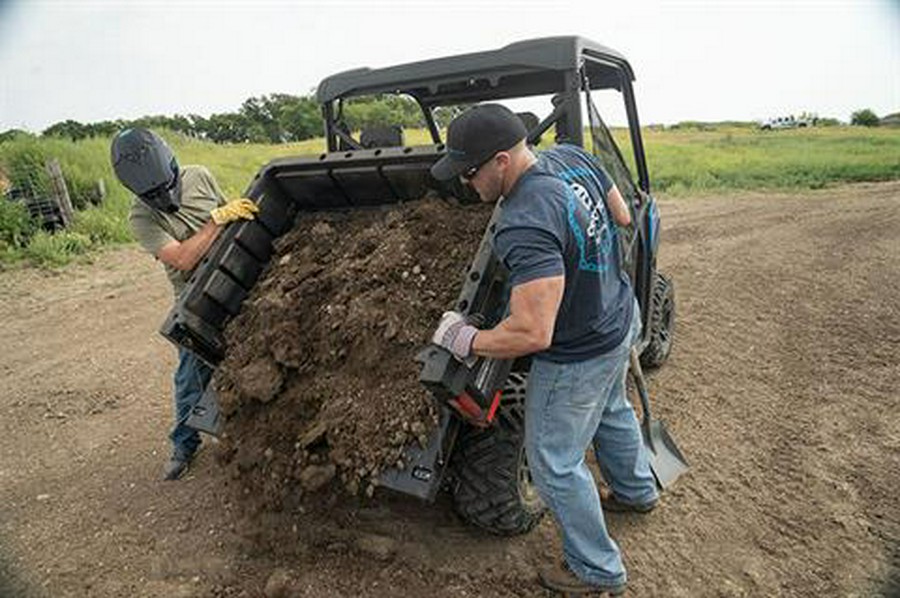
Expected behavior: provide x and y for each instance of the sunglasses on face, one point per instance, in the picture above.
(470, 173)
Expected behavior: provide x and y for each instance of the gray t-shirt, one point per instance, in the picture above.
(154, 229)
(555, 222)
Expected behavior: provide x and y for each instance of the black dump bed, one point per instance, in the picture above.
(333, 181)
(337, 180)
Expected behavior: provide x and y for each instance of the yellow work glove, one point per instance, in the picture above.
(236, 209)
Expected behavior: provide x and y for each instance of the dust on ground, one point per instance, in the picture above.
(781, 390)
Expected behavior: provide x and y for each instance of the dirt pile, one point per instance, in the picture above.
(319, 383)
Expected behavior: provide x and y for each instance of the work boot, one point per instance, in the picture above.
(175, 468)
(560, 578)
(614, 505)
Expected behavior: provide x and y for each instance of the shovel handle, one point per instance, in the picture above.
(638, 375)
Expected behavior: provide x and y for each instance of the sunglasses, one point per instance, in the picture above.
(471, 172)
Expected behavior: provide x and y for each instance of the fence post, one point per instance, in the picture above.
(61, 192)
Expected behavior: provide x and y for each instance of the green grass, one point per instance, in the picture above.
(54, 250)
(86, 161)
(731, 158)
(686, 161)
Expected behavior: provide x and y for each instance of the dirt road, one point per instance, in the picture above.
(782, 391)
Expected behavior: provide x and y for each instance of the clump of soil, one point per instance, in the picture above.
(319, 382)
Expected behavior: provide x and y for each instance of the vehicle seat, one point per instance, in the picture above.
(381, 136)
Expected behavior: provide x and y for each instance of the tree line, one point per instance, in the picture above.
(284, 118)
(274, 118)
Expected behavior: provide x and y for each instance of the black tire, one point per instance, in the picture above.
(662, 323)
(492, 486)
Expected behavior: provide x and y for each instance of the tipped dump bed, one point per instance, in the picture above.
(329, 181)
(349, 180)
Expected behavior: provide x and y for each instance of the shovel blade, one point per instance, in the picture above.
(666, 460)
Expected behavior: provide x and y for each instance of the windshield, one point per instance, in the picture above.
(604, 147)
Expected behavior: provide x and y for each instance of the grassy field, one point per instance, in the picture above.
(682, 162)
(86, 161)
(692, 162)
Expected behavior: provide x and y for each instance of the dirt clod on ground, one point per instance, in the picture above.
(319, 382)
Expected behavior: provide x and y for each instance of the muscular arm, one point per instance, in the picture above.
(185, 255)
(529, 327)
(617, 207)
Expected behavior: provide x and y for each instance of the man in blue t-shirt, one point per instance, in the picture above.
(573, 309)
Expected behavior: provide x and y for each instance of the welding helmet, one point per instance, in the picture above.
(146, 165)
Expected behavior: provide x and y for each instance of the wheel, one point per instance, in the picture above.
(492, 486)
(662, 323)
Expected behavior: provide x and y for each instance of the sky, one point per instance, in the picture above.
(92, 60)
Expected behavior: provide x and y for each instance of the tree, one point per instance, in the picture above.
(72, 129)
(231, 128)
(274, 118)
(11, 134)
(105, 128)
(259, 114)
(382, 110)
(281, 117)
(864, 118)
(301, 118)
(444, 115)
(178, 123)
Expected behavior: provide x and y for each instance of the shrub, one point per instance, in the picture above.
(45, 249)
(24, 166)
(82, 190)
(102, 226)
(864, 118)
(15, 224)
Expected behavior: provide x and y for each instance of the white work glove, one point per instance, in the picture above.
(455, 334)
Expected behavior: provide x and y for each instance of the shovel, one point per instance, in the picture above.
(666, 461)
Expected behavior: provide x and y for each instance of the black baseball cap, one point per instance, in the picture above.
(476, 135)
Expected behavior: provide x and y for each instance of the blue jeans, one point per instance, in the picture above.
(191, 378)
(569, 406)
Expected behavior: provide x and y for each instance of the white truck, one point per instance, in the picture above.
(787, 122)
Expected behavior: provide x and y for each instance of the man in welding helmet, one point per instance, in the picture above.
(176, 215)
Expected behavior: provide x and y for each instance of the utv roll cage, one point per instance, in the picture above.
(555, 65)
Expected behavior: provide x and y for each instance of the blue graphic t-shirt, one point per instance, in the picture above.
(555, 222)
